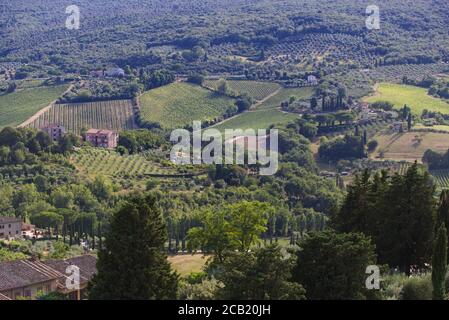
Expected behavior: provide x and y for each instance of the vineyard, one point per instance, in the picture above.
(255, 89)
(441, 178)
(113, 115)
(16, 107)
(179, 104)
(92, 161)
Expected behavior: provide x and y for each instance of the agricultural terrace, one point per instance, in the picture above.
(259, 119)
(284, 94)
(409, 146)
(441, 178)
(179, 104)
(94, 161)
(17, 107)
(113, 115)
(257, 90)
(414, 97)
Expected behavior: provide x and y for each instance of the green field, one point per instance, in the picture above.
(257, 90)
(414, 97)
(259, 119)
(112, 115)
(179, 104)
(284, 95)
(17, 107)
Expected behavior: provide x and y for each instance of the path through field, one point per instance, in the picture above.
(43, 110)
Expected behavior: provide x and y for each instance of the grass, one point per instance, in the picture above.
(410, 146)
(113, 115)
(414, 97)
(17, 107)
(259, 119)
(284, 95)
(179, 104)
(257, 90)
(186, 264)
(437, 127)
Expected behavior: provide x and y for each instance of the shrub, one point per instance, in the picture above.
(417, 288)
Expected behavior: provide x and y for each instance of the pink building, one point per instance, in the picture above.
(55, 131)
(102, 138)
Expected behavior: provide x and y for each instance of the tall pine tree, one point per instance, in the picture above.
(439, 264)
(133, 265)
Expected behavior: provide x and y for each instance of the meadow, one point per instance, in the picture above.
(17, 107)
(258, 119)
(113, 115)
(284, 95)
(409, 146)
(179, 104)
(414, 97)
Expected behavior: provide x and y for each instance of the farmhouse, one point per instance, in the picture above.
(55, 131)
(312, 80)
(10, 227)
(102, 138)
(28, 278)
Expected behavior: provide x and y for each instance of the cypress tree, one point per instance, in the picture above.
(439, 266)
(132, 264)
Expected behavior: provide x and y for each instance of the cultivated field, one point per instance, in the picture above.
(414, 97)
(410, 146)
(113, 115)
(284, 95)
(441, 178)
(17, 107)
(259, 119)
(257, 90)
(179, 104)
(94, 161)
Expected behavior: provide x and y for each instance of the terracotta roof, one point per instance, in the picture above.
(86, 263)
(22, 273)
(9, 220)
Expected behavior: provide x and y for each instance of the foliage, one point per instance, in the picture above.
(332, 265)
(138, 229)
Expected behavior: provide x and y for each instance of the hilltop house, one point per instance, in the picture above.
(27, 278)
(10, 227)
(55, 131)
(102, 138)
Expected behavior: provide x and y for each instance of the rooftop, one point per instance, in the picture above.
(22, 273)
(10, 220)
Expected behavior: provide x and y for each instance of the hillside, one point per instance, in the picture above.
(179, 104)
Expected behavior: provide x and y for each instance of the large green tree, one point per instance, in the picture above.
(132, 265)
(263, 274)
(396, 212)
(332, 265)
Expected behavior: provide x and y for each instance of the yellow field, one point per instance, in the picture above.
(187, 263)
(409, 146)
